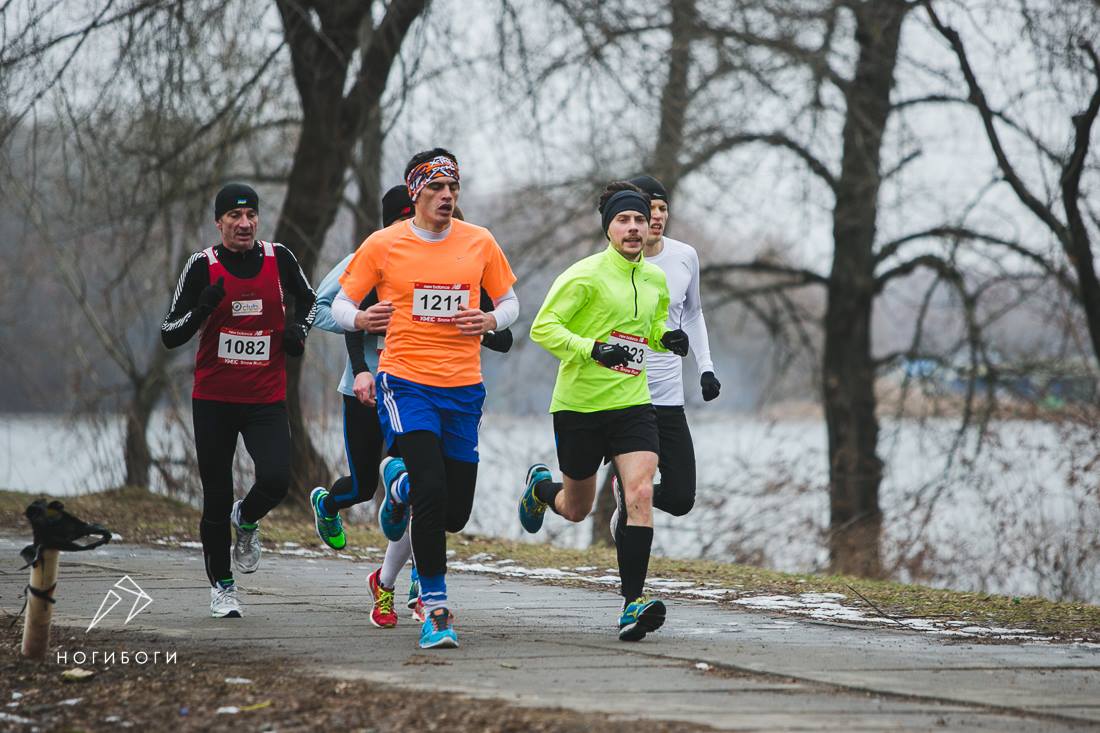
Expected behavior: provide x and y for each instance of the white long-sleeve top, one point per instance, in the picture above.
(680, 263)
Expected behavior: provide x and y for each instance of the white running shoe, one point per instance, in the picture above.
(224, 602)
(616, 491)
(246, 549)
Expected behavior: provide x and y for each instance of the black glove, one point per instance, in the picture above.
(294, 340)
(676, 342)
(711, 386)
(498, 340)
(610, 355)
(211, 295)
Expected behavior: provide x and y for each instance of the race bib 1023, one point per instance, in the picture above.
(635, 346)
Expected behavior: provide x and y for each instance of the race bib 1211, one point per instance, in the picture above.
(438, 302)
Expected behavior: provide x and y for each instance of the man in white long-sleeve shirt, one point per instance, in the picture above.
(675, 493)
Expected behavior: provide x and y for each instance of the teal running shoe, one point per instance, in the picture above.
(639, 618)
(414, 590)
(437, 632)
(393, 515)
(532, 508)
(329, 529)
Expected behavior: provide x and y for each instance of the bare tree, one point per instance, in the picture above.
(1071, 228)
(340, 78)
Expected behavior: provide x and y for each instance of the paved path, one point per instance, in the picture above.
(543, 646)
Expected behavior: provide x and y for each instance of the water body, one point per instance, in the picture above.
(1021, 519)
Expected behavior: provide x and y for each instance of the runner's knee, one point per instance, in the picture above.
(677, 506)
(273, 483)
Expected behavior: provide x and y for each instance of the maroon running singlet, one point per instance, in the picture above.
(240, 356)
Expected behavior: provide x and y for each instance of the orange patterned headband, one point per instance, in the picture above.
(437, 167)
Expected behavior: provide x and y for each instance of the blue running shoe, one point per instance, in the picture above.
(393, 515)
(329, 529)
(437, 633)
(414, 590)
(532, 508)
(639, 618)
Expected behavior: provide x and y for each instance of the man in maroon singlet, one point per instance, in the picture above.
(235, 295)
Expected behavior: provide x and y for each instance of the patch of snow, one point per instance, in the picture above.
(9, 718)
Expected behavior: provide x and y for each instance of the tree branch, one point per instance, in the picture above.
(800, 276)
(962, 233)
(932, 262)
(774, 139)
(978, 99)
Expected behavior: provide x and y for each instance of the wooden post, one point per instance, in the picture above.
(36, 629)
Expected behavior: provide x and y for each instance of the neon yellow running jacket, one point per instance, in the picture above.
(606, 298)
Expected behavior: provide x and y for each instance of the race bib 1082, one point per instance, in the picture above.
(240, 347)
(438, 302)
(635, 346)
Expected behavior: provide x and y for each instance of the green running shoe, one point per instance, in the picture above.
(329, 529)
(639, 618)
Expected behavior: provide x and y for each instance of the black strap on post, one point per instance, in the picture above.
(56, 529)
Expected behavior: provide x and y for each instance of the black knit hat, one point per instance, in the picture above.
(624, 201)
(652, 186)
(396, 204)
(233, 196)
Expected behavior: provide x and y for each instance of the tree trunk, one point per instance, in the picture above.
(367, 170)
(147, 391)
(332, 124)
(855, 470)
(664, 161)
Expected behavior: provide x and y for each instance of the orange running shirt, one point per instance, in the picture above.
(427, 282)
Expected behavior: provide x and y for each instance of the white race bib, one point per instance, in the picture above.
(438, 302)
(635, 346)
(236, 347)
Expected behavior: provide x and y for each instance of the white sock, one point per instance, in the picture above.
(397, 554)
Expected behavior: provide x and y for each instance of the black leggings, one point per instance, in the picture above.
(676, 492)
(363, 445)
(441, 495)
(266, 433)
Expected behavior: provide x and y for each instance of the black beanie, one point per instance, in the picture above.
(622, 201)
(652, 186)
(233, 196)
(396, 204)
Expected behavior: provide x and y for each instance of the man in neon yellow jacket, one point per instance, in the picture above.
(598, 318)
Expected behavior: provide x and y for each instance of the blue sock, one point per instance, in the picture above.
(223, 584)
(433, 591)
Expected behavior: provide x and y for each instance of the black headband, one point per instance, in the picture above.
(622, 201)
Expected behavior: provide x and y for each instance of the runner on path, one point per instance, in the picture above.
(431, 268)
(680, 263)
(599, 317)
(362, 429)
(234, 295)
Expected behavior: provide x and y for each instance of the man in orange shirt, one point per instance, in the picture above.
(430, 395)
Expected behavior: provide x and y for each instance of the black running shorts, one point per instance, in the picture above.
(587, 439)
